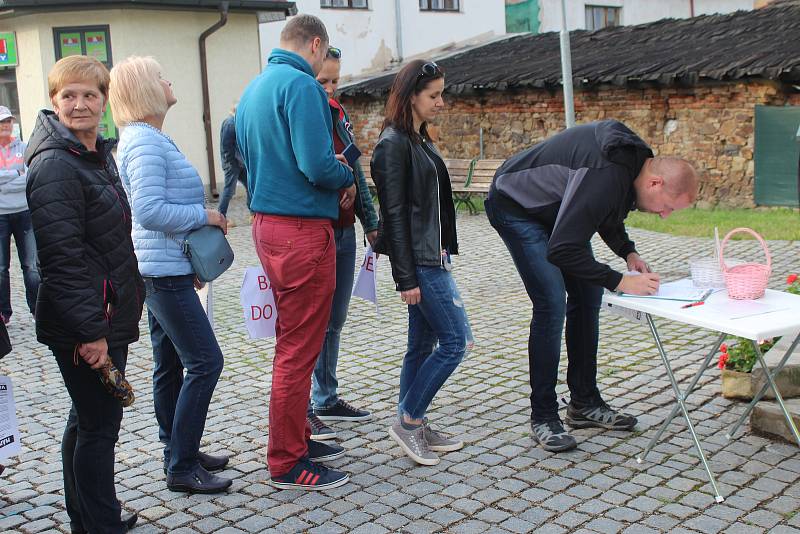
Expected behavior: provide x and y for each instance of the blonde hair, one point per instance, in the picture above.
(135, 91)
(78, 69)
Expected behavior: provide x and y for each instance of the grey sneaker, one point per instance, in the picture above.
(552, 436)
(438, 442)
(413, 444)
(601, 416)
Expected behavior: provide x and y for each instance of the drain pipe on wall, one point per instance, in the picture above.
(212, 174)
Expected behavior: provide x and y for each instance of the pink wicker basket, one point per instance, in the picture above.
(746, 281)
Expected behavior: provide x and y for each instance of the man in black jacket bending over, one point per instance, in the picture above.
(546, 203)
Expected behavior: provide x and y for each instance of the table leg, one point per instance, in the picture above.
(689, 390)
(763, 390)
(680, 398)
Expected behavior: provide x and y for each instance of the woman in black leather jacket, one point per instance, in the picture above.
(417, 230)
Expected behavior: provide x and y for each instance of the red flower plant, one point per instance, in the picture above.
(723, 359)
(791, 279)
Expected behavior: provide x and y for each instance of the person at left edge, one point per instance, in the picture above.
(90, 298)
(167, 202)
(15, 218)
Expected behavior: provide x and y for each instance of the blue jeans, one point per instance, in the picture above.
(182, 339)
(231, 177)
(19, 225)
(555, 296)
(324, 383)
(438, 317)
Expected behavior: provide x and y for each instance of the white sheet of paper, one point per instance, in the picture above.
(9, 431)
(741, 309)
(678, 290)
(366, 284)
(258, 304)
(207, 300)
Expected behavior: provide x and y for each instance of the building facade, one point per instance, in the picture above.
(168, 31)
(597, 14)
(374, 34)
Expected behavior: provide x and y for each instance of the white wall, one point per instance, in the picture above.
(172, 38)
(368, 39)
(633, 11)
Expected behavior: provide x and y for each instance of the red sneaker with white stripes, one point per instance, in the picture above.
(307, 475)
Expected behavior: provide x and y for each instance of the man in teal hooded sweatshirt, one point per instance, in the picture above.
(283, 129)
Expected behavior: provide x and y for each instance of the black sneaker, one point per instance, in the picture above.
(601, 416)
(319, 430)
(552, 436)
(342, 411)
(323, 452)
(306, 475)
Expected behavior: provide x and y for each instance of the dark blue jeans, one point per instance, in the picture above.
(555, 296)
(439, 317)
(324, 382)
(87, 448)
(182, 339)
(19, 225)
(231, 177)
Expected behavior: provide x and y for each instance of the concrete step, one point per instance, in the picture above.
(767, 418)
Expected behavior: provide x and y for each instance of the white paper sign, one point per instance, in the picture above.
(9, 431)
(366, 285)
(207, 300)
(258, 303)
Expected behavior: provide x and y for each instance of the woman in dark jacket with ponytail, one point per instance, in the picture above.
(90, 298)
(417, 230)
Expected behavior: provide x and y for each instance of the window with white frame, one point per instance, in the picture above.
(346, 4)
(598, 17)
(439, 5)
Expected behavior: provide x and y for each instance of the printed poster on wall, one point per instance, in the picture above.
(8, 49)
(97, 45)
(70, 44)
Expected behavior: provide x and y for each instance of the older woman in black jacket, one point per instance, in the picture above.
(417, 230)
(90, 298)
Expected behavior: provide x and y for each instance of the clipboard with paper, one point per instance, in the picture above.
(681, 290)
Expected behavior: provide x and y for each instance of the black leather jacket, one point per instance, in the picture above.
(409, 230)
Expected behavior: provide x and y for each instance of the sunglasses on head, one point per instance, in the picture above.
(335, 53)
(429, 69)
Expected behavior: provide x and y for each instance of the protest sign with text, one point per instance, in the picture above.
(258, 303)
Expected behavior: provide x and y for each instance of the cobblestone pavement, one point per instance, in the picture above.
(500, 482)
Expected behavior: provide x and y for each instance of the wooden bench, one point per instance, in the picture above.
(468, 178)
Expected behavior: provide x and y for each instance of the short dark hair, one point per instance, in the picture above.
(304, 28)
(410, 81)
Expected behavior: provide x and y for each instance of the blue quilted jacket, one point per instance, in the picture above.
(166, 196)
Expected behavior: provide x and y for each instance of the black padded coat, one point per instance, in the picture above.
(91, 287)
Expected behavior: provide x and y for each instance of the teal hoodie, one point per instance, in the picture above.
(284, 132)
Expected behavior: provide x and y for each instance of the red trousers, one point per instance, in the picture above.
(299, 256)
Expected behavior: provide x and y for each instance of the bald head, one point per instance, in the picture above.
(665, 184)
(680, 178)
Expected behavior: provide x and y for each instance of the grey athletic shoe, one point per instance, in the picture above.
(438, 442)
(552, 436)
(601, 416)
(413, 444)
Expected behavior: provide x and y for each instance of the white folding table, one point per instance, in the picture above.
(775, 314)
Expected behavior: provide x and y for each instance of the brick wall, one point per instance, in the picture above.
(711, 125)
